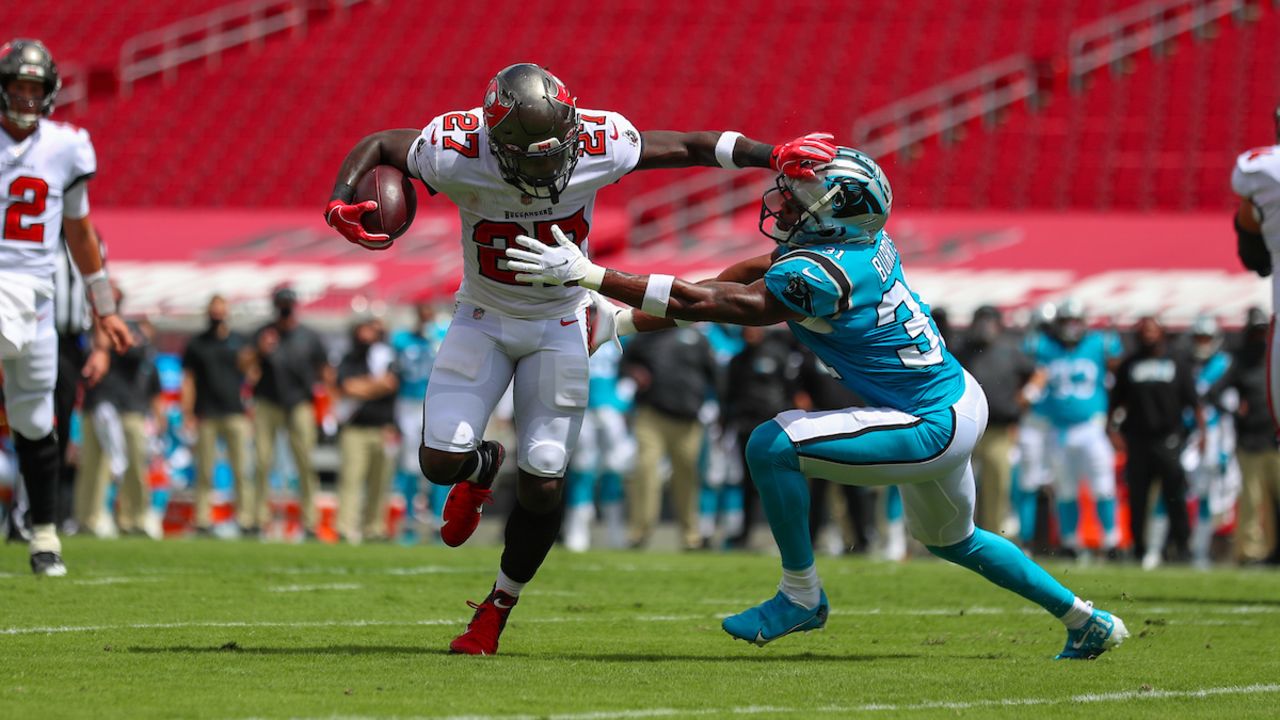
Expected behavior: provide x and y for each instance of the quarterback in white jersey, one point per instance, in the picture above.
(526, 161)
(1256, 179)
(44, 167)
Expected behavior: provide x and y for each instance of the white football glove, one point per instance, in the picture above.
(559, 264)
(608, 322)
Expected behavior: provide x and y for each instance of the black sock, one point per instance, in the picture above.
(529, 537)
(39, 461)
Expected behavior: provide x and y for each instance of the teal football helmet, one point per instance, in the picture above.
(848, 200)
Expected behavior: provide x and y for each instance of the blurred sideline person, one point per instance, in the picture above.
(289, 361)
(837, 280)
(760, 383)
(213, 378)
(674, 373)
(1256, 179)
(1154, 390)
(83, 358)
(116, 441)
(1002, 370)
(46, 195)
(416, 347)
(1072, 366)
(1258, 450)
(1032, 468)
(606, 452)
(525, 160)
(367, 386)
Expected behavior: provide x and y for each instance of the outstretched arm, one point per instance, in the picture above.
(388, 147)
(744, 272)
(715, 301)
(733, 150)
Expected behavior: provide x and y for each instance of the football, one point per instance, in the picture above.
(397, 201)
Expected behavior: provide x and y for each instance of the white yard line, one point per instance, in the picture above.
(313, 588)
(867, 709)
(1197, 612)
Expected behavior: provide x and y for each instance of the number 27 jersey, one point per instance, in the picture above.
(452, 157)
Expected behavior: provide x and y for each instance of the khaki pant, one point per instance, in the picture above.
(134, 497)
(1260, 481)
(364, 477)
(994, 473)
(233, 430)
(681, 441)
(300, 424)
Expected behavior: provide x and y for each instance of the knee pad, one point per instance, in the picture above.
(769, 445)
(31, 416)
(539, 495)
(546, 460)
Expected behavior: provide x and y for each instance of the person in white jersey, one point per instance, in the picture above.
(1256, 179)
(44, 169)
(526, 160)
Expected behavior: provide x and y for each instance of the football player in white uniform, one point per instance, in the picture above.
(526, 160)
(1256, 179)
(44, 167)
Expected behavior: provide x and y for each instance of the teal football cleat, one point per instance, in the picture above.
(1103, 632)
(774, 618)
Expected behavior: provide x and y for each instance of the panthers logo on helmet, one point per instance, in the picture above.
(848, 201)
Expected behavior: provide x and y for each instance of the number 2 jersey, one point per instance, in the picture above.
(452, 157)
(34, 175)
(866, 325)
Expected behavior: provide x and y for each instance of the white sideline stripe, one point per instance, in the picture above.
(887, 612)
(112, 580)
(312, 588)
(846, 710)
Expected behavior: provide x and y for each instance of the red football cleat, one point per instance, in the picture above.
(466, 500)
(481, 637)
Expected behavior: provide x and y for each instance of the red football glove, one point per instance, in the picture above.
(345, 219)
(796, 158)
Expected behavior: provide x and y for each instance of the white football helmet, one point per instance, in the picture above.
(847, 201)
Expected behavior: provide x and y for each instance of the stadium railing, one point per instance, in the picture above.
(1109, 40)
(206, 36)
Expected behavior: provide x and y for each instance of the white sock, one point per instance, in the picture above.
(44, 538)
(507, 585)
(1078, 615)
(802, 587)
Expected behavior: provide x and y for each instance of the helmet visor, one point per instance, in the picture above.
(542, 170)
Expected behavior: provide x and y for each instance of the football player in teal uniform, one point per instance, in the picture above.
(836, 279)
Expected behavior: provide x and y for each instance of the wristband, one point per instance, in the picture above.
(98, 290)
(657, 293)
(624, 323)
(684, 323)
(724, 149)
(593, 278)
(344, 192)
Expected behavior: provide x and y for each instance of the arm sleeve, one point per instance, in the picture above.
(424, 156)
(622, 142)
(84, 163)
(810, 283)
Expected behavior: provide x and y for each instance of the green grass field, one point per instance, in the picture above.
(248, 630)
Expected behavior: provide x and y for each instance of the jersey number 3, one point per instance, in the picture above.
(27, 197)
(491, 255)
(926, 349)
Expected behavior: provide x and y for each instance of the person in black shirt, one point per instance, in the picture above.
(675, 373)
(367, 384)
(213, 376)
(1002, 369)
(1152, 392)
(761, 384)
(290, 361)
(1256, 447)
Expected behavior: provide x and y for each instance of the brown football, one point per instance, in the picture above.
(397, 201)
